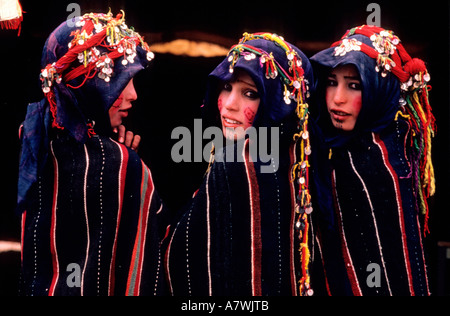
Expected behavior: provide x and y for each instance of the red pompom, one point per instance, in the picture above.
(414, 66)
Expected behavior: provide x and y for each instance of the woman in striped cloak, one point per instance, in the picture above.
(246, 230)
(89, 207)
(377, 126)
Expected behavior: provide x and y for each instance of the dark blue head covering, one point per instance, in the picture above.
(275, 109)
(393, 83)
(90, 95)
(380, 95)
(284, 77)
(87, 63)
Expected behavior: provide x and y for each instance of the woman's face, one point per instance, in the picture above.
(344, 97)
(238, 103)
(119, 110)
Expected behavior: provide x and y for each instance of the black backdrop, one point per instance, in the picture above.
(171, 92)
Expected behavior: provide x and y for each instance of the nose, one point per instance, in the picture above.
(340, 95)
(230, 102)
(132, 94)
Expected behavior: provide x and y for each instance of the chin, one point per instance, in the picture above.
(231, 135)
(116, 123)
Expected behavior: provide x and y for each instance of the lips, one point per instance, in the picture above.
(339, 115)
(228, 122)
(123, 113)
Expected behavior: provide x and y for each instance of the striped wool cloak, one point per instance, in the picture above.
(378, 226)
(237, 237)
(240, 235)
(92, 228)
(373, 176)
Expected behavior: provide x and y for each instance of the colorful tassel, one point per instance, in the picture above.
(11, 15)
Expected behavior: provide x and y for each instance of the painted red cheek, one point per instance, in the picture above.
(220, 105)
(357, 104)
(328, 97)
(250, 115)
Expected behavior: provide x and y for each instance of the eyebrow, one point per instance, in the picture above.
(247, 83)
(345, 77)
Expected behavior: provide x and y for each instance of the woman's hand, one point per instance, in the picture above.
(128, 138)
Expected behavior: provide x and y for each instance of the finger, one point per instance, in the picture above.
(122, 131)
(136, 142)
(129, 138)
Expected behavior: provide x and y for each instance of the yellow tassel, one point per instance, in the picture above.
(305, 281)
(405, 116)
(423, 117)
(429, 170)
(294, 169)
(211, 159)
(123, 17)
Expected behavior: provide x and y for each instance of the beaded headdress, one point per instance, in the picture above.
(86, 55)
(295, 85)
(389, 53)
(296, 89)
(86, 64)
(391, 57)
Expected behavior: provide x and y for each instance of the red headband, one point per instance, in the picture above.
(97, 31)
(391, 56)
(111, 33)
(389, 53)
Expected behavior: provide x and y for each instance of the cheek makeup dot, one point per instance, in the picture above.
(250, 115)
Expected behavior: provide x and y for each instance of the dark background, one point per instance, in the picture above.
(171, 91)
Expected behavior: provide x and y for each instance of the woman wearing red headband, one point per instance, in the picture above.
(377, 125)
(246, 231)
(89, 206)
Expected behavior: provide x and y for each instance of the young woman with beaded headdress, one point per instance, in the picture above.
(246, 231)
(89, 207)
(377, 126)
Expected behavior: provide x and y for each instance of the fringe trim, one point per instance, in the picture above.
(13, 24)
